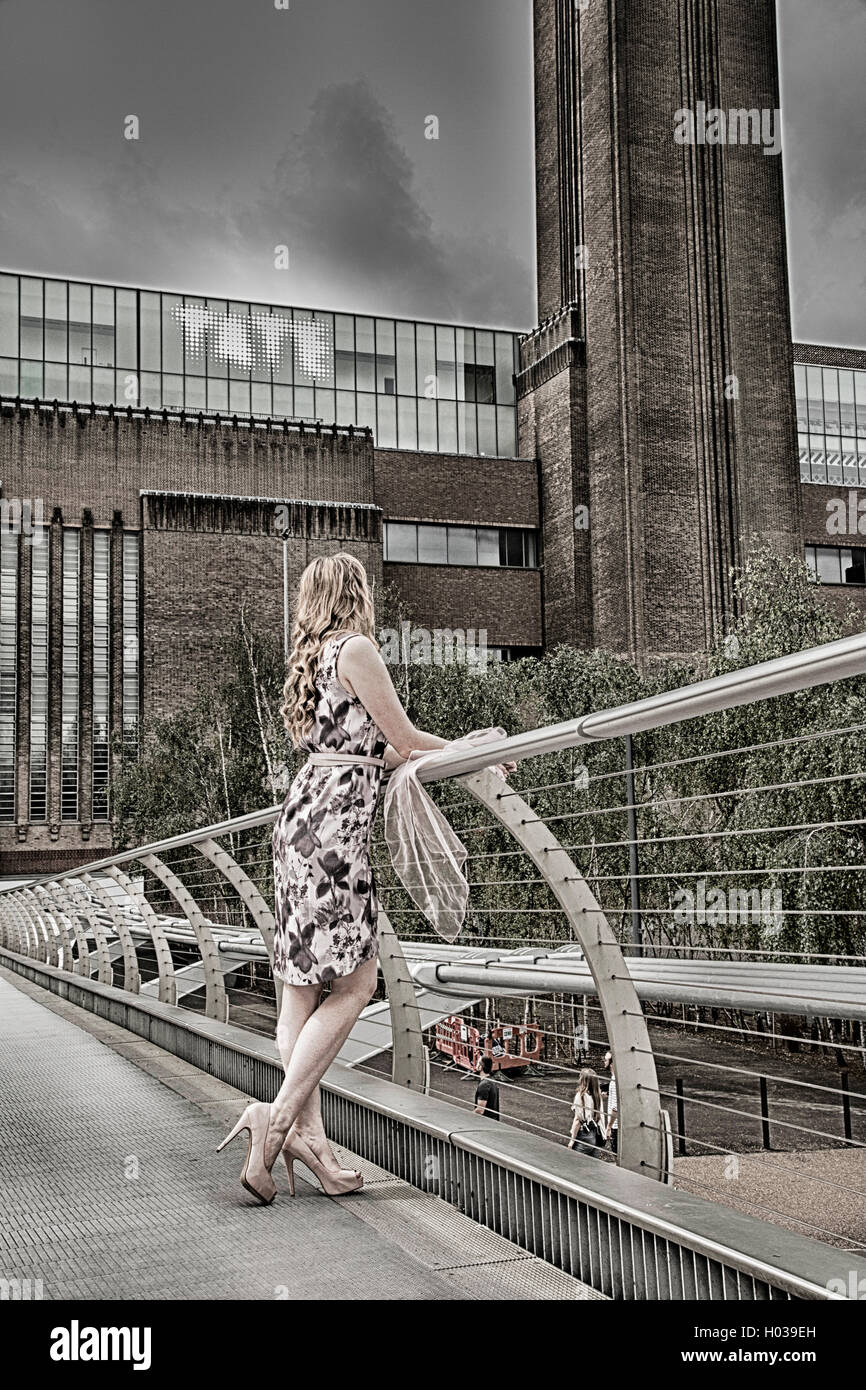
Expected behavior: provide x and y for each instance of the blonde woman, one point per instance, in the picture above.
(587, 1131)
(341, 708)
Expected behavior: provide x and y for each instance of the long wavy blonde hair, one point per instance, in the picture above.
(333, 596)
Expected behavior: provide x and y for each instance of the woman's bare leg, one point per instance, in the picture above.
(299, 1002)
(317, 1043)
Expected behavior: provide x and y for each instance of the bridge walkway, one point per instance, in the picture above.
(113, 1189)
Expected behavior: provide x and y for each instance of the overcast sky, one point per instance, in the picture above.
(306, 127)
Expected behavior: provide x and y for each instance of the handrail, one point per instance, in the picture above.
(783, 675)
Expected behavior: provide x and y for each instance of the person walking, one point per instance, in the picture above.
(341, 708)
(612, 1123)
(487, 1091)
(587, 1128)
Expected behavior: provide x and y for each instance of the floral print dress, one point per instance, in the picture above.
(325, 898)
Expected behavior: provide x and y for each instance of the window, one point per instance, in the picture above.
(401, 541)
(101, 671)
(130, 645)
(8, 669)
(831, 424)
(428, 544)
(69, 713)
(837, 565)
(462, 545)
(420, 386)
(38, 810)
(432, 545)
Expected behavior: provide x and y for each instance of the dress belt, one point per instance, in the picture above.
(341, 759)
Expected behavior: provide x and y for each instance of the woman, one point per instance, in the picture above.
(342, 708)
(586, 1129)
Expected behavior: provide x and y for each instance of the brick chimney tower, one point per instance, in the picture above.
(658, 389)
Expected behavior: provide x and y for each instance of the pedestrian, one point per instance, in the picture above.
(487, 1091)
(341, 709)
(587, 1129)
(612, 1123)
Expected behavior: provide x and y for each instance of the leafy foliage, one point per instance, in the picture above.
(716, 804)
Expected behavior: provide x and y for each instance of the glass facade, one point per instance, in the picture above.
(39, 684)
(101, 674)
(434, 387)
(831, 424)
(8, 670)
(408, 542)
(837, 564)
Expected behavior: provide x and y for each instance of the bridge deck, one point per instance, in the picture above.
(113, 1189)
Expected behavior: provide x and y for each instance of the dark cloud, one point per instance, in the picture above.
(306, 128)
(344, 198)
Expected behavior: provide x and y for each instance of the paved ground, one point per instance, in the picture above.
(821, 1194)
(113, 1189)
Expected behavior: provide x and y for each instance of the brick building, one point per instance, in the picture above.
(590, 482)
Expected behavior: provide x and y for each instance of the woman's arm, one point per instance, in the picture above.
(362, 671)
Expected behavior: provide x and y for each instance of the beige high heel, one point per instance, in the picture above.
(297, 1148)
(256, 1177)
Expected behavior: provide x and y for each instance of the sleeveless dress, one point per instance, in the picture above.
(325, 900)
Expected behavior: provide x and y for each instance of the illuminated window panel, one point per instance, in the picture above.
(130, 646)
(38, 791)
(101, 673)
(70, 660)
(8, 670)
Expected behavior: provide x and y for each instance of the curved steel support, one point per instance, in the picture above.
(639, 1112)
(409, 1059)
(84, 909)
(56, 901)
(131, 972)
(7, 928)
(250, 896)
(44, 933)
(20, 929)
(245, 889)
(217, 1004)
(55, 927)
(44, 926)
(164, 963)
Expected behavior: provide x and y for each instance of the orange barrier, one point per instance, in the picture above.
(520, 1044)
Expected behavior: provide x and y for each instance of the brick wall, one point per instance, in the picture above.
(507, 602)
(202, 564)
(454, 487)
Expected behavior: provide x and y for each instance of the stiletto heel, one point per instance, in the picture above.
(290, 1169)
(241, 1124)
(297, 1148)
(256, 1176)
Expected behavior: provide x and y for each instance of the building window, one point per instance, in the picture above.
(130, 646)
(831, 424)
(8, 670)
(837, 564)
(69, 697)
(38, 810)
(432, 387)
(101, 672)
(419, 543)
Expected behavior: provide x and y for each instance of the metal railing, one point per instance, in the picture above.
(190, 919)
